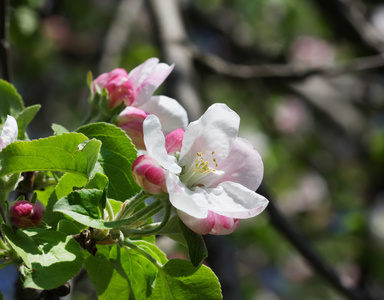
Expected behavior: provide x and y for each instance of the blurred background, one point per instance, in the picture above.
(306, 78)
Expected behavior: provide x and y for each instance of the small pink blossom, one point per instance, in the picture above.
(149, 175)
(24, 214)
(136, 90)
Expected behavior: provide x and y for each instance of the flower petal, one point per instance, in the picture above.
(216, 130)
(194, 204)
(200, 226)
(155, 143)
(9, 133)
(243, 165)
(223, 225)
(147, 78)
(233, 200)
(170, 113)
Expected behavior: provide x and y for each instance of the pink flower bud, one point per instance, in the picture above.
(24, 214)
(131, 121)
(120, 88)
(212, 224)
(149, 174)
(174, 141)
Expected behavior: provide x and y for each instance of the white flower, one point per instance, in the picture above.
(214, 171)
(9, 132)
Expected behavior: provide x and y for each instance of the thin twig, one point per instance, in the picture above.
(302, 246)
(5, 51)
(288, 71)
(172, 33)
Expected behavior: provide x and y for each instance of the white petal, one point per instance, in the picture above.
(10, 131)
(170, 113)
(234, 200)
(155, 143)
(215, 131)
(243, 165)
(192, 203)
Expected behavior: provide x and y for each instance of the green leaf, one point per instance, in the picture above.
(24, 118)
(83, 207)
(69, 227)
(177, 231)
(153, 250)
(58, 129)
(179, 279)
(57, 153)
(45, 194)
(108, 282)
(51, 256)
(115, 159)
(66, 184)
(140, 272)
(10, 101)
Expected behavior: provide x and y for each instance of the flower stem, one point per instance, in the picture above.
(142, 214)
(109, 210)
(154, 230)
(129, 205)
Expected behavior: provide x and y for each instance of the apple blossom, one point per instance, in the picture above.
(214, 175)
(134, 88)
(24, 214)
(9, 132)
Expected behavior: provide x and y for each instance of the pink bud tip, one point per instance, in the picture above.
(131, 121)
(24, 214)
(174, 141)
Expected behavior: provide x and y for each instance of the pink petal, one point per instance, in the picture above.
(200, 226)
(174, 141)
(148, 78)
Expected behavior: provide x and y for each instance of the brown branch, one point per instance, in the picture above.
(172, 35)
(356, 18)
(5, 51)
(117, 34)
(286, 71)
(349, 22)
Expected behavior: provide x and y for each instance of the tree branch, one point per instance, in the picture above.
(172, 36)
(285, 71)
(5, 51)
(302, 246)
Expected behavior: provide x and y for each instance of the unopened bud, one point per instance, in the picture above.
(24, 214)
(131, 121)
(149, 175)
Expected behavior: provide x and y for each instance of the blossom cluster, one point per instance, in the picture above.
(209, 173)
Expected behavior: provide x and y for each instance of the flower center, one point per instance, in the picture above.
(195, 174)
